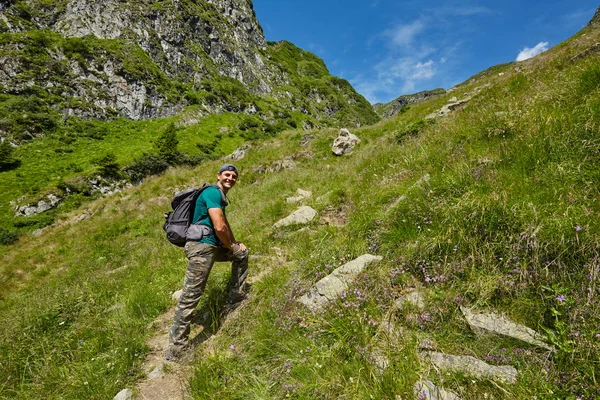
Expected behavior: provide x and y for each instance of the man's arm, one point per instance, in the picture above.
(222, 229)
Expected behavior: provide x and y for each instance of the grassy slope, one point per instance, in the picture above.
(508, 222)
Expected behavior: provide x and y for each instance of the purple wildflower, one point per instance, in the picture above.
(560, 298)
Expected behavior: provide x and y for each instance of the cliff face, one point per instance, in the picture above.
(141, 59)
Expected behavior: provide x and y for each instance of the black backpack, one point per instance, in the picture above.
(178, 222)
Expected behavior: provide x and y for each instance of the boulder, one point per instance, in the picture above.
(427, 390)
(500, 325)
(334, 284)
(303, 215)
(300, 195)
(471, 366)
(125, 394)
(344, 143)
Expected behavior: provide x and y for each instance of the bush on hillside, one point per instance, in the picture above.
(166, 144)
(108, 166)
(7, 237)
(146, 165)
(413, 128)
(7, 159)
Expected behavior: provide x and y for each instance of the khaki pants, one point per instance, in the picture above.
(201, 257)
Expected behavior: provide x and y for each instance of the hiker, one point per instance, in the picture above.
(217, 244)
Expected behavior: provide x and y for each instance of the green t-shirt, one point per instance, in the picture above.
(209, 198)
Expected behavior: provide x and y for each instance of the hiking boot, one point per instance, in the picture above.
(235, 301)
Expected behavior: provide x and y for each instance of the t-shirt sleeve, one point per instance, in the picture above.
(213, 198)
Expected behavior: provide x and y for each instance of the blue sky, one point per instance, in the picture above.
(387, 48)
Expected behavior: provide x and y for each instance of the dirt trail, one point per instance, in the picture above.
(168, 380)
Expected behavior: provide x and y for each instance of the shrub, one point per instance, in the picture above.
(413, 128)
(167, 144)
(7, 237)
(78, 184)
(7, 160)
(146, 165)
(109, 168)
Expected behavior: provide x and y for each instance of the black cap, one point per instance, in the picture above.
(228, 167)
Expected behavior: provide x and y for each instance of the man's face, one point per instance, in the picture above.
(227, 179)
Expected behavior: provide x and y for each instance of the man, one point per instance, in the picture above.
(218, 244)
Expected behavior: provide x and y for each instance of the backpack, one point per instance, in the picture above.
(178, 223)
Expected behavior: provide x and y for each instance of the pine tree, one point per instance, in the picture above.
(167, 144)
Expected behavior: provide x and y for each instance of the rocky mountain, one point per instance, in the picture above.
(143, 59)
(395, 106)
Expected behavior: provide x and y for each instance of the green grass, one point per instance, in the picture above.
(495, 207)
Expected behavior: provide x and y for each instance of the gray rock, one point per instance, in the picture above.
(414, 298)
(239, 153)
(471, 366)
(334, 284)
(125, 394)
(502, 326)
(303, 215)
(48, 203)
(156, 372)
(344, 143)
(448, 108)
(427, 390)
(301, 195)
(286, 163)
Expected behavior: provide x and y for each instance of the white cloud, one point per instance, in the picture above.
(423, 71)
(531, 52)
(404, 35)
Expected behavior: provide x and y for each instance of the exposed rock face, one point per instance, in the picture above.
(142, 59)
(39, 207)
(301, 216)
(344, 143)
(502, 326)
(334, 284)
(471, 366)
(239, 153)
(395, 106)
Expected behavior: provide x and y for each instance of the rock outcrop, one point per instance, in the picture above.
(334, 284)
(150, 59)
(427, 390)
(471, 366)
(301, 216)
(500, 325)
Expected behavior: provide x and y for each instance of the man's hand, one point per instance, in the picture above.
(241, 246)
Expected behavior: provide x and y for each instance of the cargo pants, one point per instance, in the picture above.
(201, 257)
